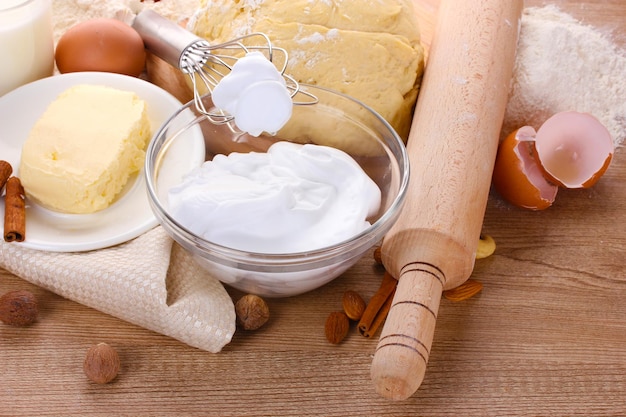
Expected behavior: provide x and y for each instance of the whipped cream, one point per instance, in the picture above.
(255, 94)
(294, 198)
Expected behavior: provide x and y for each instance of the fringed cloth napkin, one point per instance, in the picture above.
(149, 281)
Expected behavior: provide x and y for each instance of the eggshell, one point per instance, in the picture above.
(573, 149)
(517, 176)
(106, 45)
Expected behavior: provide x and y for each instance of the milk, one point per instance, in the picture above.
(26, 43)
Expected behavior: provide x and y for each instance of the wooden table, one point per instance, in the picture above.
(547, 335)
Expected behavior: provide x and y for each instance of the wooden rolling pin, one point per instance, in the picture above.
(452, 148)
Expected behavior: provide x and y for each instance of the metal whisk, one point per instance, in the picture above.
(207, 64)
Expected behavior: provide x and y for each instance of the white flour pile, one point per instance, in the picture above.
(564, 65)
(66, 13)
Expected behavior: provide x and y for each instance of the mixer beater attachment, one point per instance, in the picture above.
(207, 64)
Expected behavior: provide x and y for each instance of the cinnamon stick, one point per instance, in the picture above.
(378, 306)
(380, 317)
(14, 211)
(5, 172)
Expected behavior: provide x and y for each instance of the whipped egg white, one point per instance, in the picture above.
(293, 198)
(255, 94)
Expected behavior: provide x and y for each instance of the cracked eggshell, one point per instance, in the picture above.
(570, 150)
(573, 149)
(517, 176)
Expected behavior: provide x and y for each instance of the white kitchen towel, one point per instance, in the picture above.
(149, 281)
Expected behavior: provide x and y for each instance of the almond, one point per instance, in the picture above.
(464, 291)
(353, 305)
(378, 255)
(337, 326)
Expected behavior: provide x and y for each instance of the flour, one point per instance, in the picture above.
(564, 65)
(67, 13)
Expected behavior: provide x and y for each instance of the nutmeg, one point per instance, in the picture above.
(18, 308)
(102, 363)
(252, 312)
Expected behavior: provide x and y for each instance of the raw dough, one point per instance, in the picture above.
(369, 50)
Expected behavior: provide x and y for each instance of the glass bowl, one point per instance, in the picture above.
(335, 120)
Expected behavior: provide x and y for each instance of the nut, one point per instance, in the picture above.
(102, 363)
(337, 326)
(486, 247)
(464, 291)
(378, 255)
(252, 312)
(18, 308)
(353, 305)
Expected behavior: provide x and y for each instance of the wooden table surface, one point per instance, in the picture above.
(546, 336)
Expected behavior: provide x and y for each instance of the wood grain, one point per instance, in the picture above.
(452, 148)
(546, 336)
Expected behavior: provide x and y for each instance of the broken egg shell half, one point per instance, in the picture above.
(573, 149)
(570, 150)
(517, 177)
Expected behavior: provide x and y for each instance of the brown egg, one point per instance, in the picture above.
(570, 150)
(106, 45)
(517, 176)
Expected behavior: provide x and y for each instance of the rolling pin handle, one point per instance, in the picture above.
(403, 350)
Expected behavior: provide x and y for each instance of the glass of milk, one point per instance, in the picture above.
(26, 43)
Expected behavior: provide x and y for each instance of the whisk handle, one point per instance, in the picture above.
(164, 38)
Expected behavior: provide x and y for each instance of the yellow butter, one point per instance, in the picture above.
(84, 148)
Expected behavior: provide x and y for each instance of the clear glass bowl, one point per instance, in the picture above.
(336, 120)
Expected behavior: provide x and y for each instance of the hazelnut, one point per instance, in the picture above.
(102, 363)
(252, 312)
(337, 326)
(18, 308)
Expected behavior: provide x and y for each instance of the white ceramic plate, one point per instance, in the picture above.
(130, 215)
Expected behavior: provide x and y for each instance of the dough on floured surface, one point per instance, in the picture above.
(369, 50)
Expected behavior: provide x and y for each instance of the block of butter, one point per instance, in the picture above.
(84, 148)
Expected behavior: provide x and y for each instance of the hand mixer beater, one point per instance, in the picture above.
(207, 64)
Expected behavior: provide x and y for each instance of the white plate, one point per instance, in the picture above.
(130, 215)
